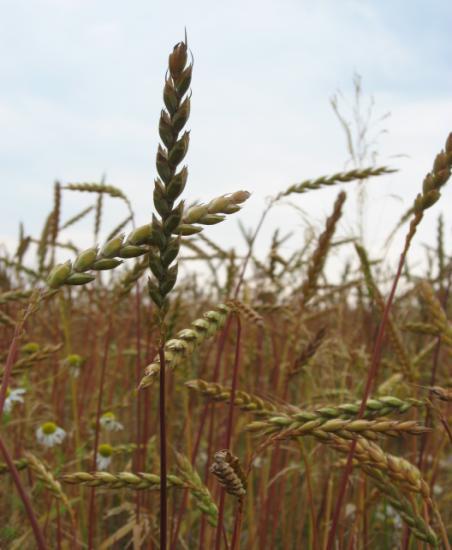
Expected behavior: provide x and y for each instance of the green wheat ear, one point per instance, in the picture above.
(170, 182)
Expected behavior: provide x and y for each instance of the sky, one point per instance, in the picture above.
(81, 93)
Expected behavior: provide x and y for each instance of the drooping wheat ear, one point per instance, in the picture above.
(340, 177)
(420, 529)
(246, 311)
(437, 314)
(394, 334)
(317, 261)
(179, 349)
(50, 483)
(122, 480)
(402, 472)
(243, 400)
(201, 494)
(19, 463)
(309, 350)
(226, 468)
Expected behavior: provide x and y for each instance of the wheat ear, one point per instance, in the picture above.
(179, 349)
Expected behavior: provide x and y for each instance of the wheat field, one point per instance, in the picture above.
(257, 403)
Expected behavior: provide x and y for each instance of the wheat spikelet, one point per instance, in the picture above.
(243, 400)
(226, 468)
(179, 349)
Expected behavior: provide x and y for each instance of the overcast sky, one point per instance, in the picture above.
(80, 96)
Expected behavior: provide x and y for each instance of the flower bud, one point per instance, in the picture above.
(59, 274)
(85, 259)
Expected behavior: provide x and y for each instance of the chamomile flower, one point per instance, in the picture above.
(13, 396)
(49, 434)
(103, 456)
(109, 422)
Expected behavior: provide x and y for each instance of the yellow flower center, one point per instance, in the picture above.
(49, 428)
(108, 416)
(105, 450)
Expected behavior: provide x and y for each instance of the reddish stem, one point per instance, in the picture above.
(40, 542)
(369, 382)
(163, 495)
(229, 427)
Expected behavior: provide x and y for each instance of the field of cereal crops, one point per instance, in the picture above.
(256, 403)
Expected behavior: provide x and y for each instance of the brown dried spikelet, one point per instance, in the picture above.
(226, 468)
